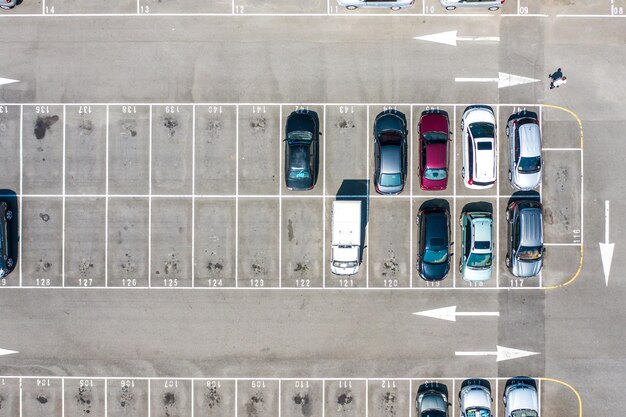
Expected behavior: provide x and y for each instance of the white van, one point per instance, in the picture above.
(479, 4)
(386, 4)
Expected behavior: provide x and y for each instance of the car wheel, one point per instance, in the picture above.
(351, 7)
(396, 8)
(462, 124)
(9, 214)
(417, 220)
(507, 261)
(507, 131)
(10, 262)
(493, 9)
(461, 267)
(463, 172)
(510, 176)
(507, 215)
(461, 221)
(450, 7)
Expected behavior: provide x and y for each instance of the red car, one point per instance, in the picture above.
(434, 136)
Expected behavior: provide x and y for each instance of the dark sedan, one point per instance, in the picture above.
(6, 258)
(433, 257)
(390, 150)
(301, 150)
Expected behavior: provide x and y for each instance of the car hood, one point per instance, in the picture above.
(472, 274)
(433, 401)
(434, 272)
(434, 122)
(527, 269)
(476, 398)
(390, 122)
(525, 182)
(350, 254)
(300, 121)
(522, 398)
(479, 115)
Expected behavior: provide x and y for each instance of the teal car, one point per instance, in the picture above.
(476, 262)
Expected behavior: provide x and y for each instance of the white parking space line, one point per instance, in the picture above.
(454, 196)
(21, 191)
(63, 206)
(411, 172)
(237, 11)
(106, 396)
(236, 199)
(324, 263)
(193, 200)
(150, 202)
(497, 203)
(367, 203)
(106, 203)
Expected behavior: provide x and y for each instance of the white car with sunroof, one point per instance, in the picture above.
(478, 127)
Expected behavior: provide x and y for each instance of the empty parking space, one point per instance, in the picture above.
(183, 6)
(10, 125)
(42, 397)
(258, 397)
(85, 242)
(10, 394)
(129, 149)
(128, 226)
(258, 141)
(85, 397)
(301, 397)
(345, 397)
(388, 398)
(89, 6)
(279, 6)
(214, 398)
(170, 397)
(215, 150)
(301, 242)
(128, 397)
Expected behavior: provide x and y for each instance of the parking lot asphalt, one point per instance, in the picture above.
(146, 142)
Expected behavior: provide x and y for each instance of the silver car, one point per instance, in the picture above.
(489, 4)
(432, 400)
(524, 257)
(386, 4)
(521, 398)
(7, 4)
(524, 137)
(476, 261)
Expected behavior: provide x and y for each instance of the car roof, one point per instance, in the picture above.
(436, 155)
(530, 140)
(299, 156)
(485, 160)
(531, 228)
(390, 159)
(436, 227)
(482, 229)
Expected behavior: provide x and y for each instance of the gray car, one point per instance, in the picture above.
(432, 400)
(390, 152)
(524, 257)
(386, 4)
(7, 4)
(525, 162)
(486, 4)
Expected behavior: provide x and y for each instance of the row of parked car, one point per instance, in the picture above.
(524, 251)
(480, 157)
(520, 398)
(403, 4)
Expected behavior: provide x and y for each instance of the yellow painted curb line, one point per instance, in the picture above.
(580, 401)
(580, 262)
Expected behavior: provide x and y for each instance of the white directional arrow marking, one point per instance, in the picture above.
(606, 248)
(503, 80)
(450, 313)
(7, 352)
(502, 353)
(450, 38)
(7, 81)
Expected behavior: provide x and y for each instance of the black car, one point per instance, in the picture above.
(432, 400)
(433, 257)
(390, 152)
(301, 150)
(6, 260)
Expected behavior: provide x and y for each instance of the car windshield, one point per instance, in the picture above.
(435, 136)
(481, 130)
(299, 174)
(529, 253)
(435, 256)
(529, 164)
(433, 413)
(300, 135)
(479, 260)
(435, 174)
(524, 413)
(390, 180)
(477, 412)
(345, 264)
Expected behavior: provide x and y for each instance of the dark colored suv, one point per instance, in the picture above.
(301, 150)
(7, 261)
(390, 150)
(432, 400)
(433, 257)
(434, 136)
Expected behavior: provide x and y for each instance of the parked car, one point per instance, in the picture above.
(524, 138)
(390, 152)
(489, 4)
(524, 257)
(387, 4)
(301, 150)
(432, 400)
(7, 261)
(433, 257)
(478, 126)
(476, 262)
(520, 397)
(7, 4)
(475, 398)
(434, 136)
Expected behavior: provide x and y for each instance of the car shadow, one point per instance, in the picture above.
(10, 197)
(524, 195)
(357, 190)
(478, 206)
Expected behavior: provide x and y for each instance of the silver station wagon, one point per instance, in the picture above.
(524, 256)
(524, 137)
(384, 4)
(478, 4)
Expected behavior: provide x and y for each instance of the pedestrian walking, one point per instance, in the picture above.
(557, 79)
